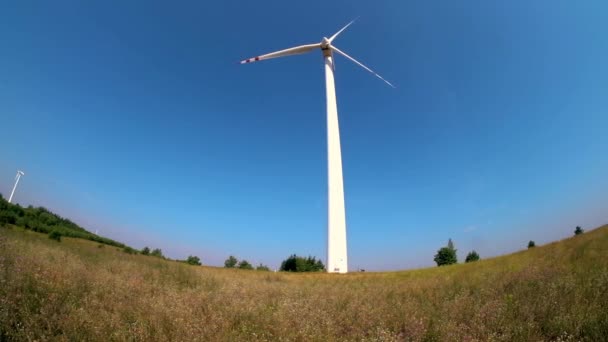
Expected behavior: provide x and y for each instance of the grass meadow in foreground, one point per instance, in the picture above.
(76, 290)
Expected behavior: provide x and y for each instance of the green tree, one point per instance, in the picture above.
(472, 256)
(129, 250)
(319, 266)
(289, 264)
(578, 230)
(193, 260)
(157, 252)
(450, 244)
(446, 255)
(145, 251)
(7, 217)
(55, 235)
(230, 262)
(295, 263)
(531, 244)
(245, 265)
(262, 267)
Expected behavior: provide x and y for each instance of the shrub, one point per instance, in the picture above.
(145, 251)
(245, 265)
(7, 217)
(230, 262)
(531, 244)
(472, 256)
(40, 228)
(129, 250)
(578, 230)
(446, 255)
(157, 253)
(300, 264)
(55, 235)
(193, 260)
(261, 267)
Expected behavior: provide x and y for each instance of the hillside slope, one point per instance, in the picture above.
(42, 220)
(77, 290)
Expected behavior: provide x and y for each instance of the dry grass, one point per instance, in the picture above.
(74, 290)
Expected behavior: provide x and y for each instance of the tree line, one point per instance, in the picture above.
(233, 262)
(293, 263)
(42, 220)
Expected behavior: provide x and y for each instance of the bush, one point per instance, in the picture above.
(300, 264)
(157, 253)
(55, 235)
(245, 265)
(7, 217)
(129, 250)
(472, 256)
(261, 267)
(193, 260)
(230, 262)
(578, 230)
(446, 255)
(531, 244)
(145, 251)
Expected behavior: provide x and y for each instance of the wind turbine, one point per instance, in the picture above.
(17, 177)
(337, 261)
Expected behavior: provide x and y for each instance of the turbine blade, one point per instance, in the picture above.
(287, 52)
(344, 28)
(361, 65)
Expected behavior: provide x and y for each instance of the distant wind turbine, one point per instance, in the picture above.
(337, 261)
(17, 177)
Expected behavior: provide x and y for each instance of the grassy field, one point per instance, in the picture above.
(78, 290)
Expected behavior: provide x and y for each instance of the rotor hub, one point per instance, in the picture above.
(325, 43)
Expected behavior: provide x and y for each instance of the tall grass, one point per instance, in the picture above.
(73, 290)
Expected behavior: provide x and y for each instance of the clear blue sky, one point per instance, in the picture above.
(134, 118)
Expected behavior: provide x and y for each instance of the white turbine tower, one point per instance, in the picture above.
(17, 177)
(337, 260)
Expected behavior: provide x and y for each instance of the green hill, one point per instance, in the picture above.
(80, 290)
(42, 220)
